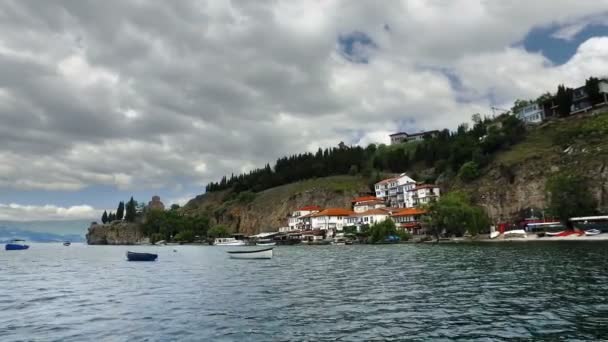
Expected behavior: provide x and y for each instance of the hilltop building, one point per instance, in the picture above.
(403, 137)
(156, 204)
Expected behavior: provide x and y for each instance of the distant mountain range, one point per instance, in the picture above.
(43, 231)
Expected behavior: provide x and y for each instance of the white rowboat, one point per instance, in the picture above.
(266, 244)
(228, 242)
(592, 232)
(252, 254)
(515, 233)
(494, 235)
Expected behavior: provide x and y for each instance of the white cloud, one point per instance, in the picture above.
(176, 94)
(20, 212)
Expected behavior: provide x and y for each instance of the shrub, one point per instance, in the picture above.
(469, 171)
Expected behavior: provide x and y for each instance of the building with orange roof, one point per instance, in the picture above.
(330, 219)
(368, 217)
(409, 219)
(296, 220)
(365, 203)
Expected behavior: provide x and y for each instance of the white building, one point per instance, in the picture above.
(294, 220)
(368, 217)
(401, 137)
(409, 219)
(392, 190)
(421, 194)
(365, 203)
(531, 114)
(332, 219)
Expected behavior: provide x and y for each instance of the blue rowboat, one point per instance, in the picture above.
(16, 245)
(132, 256)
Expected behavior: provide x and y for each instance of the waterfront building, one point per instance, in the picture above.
(294, 220)
(421, 194)
(409, 219)
(369, 217)
(330, 220)
(365, 203)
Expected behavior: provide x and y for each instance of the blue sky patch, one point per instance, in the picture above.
(356, 47)
(559, 51)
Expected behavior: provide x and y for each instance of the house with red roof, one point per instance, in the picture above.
(365, 203)
(296, 220)
(409, 219)
(330, 220)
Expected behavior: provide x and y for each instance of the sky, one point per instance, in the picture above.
(103, 100)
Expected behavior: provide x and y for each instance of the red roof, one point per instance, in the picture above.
(410, 225)
(310, 208)
(334, 212)
(365, 199)
(372, 212)
(388, 180)
(409, 212)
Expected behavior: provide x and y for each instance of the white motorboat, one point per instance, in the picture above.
(266, 243)
(592, 232)
(228, 242)
(265, 253)
(515, 233)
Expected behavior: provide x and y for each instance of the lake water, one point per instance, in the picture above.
(347, 293)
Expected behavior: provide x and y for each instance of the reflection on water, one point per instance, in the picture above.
(348, 293)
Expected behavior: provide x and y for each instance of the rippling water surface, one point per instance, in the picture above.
(348, 293)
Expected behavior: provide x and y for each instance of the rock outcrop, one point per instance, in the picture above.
(115, 233)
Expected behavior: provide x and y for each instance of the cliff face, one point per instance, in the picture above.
(115, 233)
(268, 210)
(516, 178)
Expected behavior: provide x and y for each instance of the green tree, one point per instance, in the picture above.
(120, 211)
(568, 196)
(184, 236)
(104, 217)
(592, 88)
(454, 214)
(469, 171)
(380, 231)
(217, 232)
(563, 98)
(130, 210)
(174, 206)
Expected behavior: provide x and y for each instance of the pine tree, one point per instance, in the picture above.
(120, 211)
(104, 217)
(130, 210)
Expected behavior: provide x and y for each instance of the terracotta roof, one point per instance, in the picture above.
(365, 199)
(333, 212)
(310, 208)
(372, 212)
(388, 180)
(424, 186)
(409, 212)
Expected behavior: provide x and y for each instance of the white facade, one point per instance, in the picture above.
(531, 114)
(295, 219)
(328, 222)
(361, 207)
(369, 217)
(422, 194)
(398, 138)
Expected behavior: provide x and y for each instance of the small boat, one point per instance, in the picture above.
(516, 233)
(228, 242)
(494, 235)
(67, 243)
(16, 245)
(252, 254)
(592, 232)
(563, 233)
(132, 256)
(264, 243)
(554, 233)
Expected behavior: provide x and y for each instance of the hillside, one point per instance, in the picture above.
(515, 179)
(250, 213)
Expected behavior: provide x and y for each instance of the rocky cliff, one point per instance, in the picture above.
(115, 233)
(516, 179)
(267, 210)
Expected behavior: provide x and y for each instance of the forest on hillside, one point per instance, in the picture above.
(462, 152)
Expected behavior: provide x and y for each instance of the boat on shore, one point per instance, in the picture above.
(67, 243)
(494, 235)
(515, 233)
(16, 245)
(592, 232)
(228, 242)
(265, 253)
(563, 233)
(133, 256)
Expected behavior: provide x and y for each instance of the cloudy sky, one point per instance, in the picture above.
(100, 100)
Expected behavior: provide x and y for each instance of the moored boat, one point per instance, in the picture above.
(515, 233)
(16, 245)
(563, 233)
(592, 232)
(133, 256)
(494, 235)
(67, 243)
(228, 242)
(252, 254)
(265, 243)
